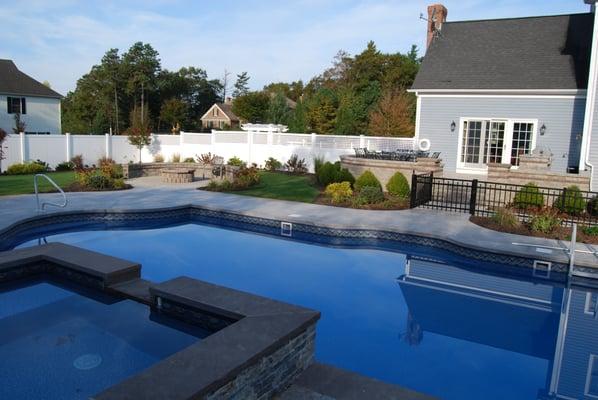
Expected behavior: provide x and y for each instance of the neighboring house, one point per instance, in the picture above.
(38, 105)
(490, 91)
(220, 116)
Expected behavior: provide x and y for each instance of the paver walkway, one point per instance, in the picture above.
(448, 226)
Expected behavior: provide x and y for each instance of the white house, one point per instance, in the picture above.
(38, 105)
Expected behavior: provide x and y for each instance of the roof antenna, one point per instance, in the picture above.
(433, 20)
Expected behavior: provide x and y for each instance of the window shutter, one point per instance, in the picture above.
(23, 106)
(9, 105)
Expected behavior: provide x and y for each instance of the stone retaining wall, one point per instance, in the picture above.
(536, 168)
(154, 169)
(385, 169)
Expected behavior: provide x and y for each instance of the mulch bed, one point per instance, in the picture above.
(390, 203)
(77, 187)
(559, 234)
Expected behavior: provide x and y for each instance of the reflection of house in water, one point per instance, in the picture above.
(528, 317)
(575, 370)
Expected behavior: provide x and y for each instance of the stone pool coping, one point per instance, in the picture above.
(451, 228)
(261, 347)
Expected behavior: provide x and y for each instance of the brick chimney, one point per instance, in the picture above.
(436, 17)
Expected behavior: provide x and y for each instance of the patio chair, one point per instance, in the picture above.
(436, 154)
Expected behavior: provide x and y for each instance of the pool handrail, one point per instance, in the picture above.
(49, 203)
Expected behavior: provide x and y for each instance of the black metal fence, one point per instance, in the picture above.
(484, 198)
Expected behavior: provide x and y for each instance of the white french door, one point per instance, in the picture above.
(502, 141)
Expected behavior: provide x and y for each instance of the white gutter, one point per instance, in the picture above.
(588, 123)
(574, 92)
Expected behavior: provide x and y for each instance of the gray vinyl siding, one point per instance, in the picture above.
(563, 118)
(581, 341)
(593, 158)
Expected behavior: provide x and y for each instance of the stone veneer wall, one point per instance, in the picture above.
(274, 373)
(202, 171)
(385, 169)
(536, 168)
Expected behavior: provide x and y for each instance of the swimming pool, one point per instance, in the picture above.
(414, 316)
(65, 342)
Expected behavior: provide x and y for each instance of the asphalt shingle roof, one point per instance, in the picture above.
(13, 81)
(551, 52)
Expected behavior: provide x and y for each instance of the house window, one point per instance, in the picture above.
(591, 304)
(16, 105)
(522, 140)
(494, 141)
(592, 377)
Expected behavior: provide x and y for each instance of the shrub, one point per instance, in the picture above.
(333, 173)
(246, 177)
(105, 161)
(593, 206)
(189, 160)
(529, 196)
(295, 165)
(159, 158)
(590, 230)
(205, 158)
(326, 174)
(26, 168)
(119, 184)
(272, 164)
(235, 162)
(339, 192)
(398, 186)
(367, 179)
(505, 217)
(97, 180)
(370, 195)
(318, 163)
(77, 161)
(176, 157)
(571, 201)
(544, 222)
(65, 166)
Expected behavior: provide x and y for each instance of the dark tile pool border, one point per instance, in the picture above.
(260, 347)
(155, 218)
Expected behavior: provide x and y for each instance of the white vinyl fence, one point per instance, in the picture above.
(252, 147)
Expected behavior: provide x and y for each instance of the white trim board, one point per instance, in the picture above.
(501, 91)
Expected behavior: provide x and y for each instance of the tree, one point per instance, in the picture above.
(174, 112)
(279, 111)
(3, 136)
(20, 125)
(354, 107)
(321, 112)
(394, 115)
(241, 85)
(141, 65)
(252, 107)
(139, 131)
(297, 123)
(224, 83)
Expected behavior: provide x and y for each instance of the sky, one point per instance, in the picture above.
(284, 40)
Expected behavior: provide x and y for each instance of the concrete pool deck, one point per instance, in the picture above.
(451, 227)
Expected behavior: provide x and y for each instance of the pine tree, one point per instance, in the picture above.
(241, 85)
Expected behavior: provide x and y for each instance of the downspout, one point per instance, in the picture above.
(590, 104)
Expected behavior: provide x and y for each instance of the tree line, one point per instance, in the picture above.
(361, 94)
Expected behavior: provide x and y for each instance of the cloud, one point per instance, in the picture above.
(60, 40)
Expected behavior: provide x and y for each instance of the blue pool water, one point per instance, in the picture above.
(59, 344)
(417, 319)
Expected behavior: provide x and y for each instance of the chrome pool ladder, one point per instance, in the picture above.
(40, 207)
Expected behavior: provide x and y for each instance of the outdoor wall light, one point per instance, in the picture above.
(543, 129)
(453, 126)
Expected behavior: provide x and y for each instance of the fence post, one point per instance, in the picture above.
(249, 146)
(474, 196)
(413, 190)
(361, 141)
(22, 146)
(108, 145)
(69, 147)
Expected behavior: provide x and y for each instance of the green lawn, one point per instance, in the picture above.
(283, 187)
(23, 184)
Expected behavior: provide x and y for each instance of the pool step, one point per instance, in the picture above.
(325, 382)
(135, 289)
